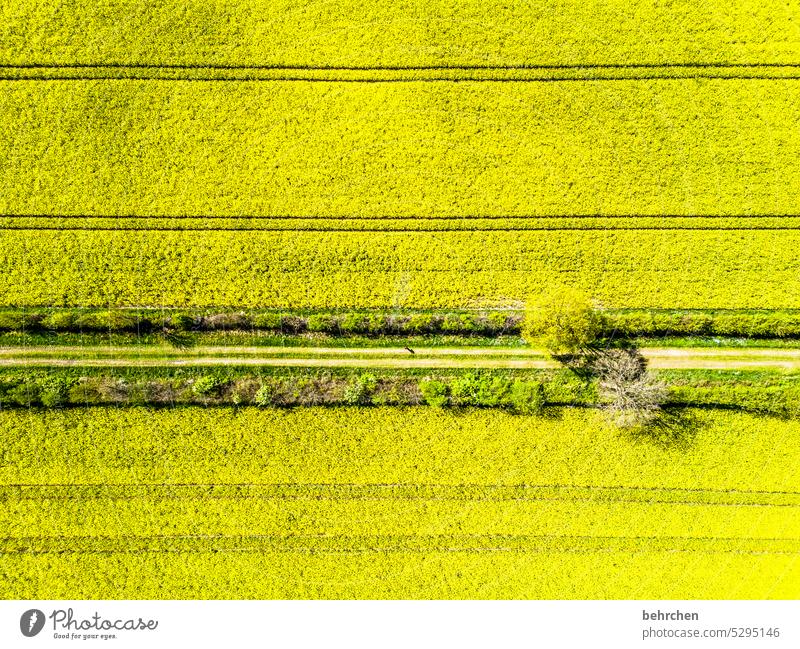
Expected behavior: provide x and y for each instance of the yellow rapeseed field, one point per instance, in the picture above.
(332, 153)
(655, 268)
(414, 149)
(460, 118)
(398, 33)
(353, 502)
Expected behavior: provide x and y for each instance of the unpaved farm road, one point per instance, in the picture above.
(422, 357)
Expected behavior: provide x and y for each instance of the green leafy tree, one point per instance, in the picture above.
(565, 320)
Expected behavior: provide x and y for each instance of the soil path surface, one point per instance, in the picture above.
(421, 357)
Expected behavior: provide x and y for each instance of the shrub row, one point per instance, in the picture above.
(472, 389)
(117, 320)
(629, 323)
(777, 400)
(774, 324)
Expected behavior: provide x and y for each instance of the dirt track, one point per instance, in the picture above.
(486, 357)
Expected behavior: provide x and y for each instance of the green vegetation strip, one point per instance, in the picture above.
(486, 326)
(166, 351)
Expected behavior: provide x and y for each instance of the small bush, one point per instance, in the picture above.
(359, 391)
(323, 323)
(477, 389)
(85, 393)
(500, 323)
(423, 323)
(19, 320)
(636, 323)
(55, 392)
(207, 386)
(377, 324)
(354, 323)
(60, 321)
(434, 392)
(265, 395)
(695, 324)
(293, 324)
(183, 322)
(269, 321)
(226, 321)
(527, 397)
(666, 323)
(24, 394)
(107, 321)
(785, 326)
(396, 324)
(453, 323)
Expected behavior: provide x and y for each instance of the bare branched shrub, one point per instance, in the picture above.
(618, 366)
(224, 321)
(114, 389)
(632, 397)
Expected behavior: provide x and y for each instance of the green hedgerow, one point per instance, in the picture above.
(269, 321)
(60, 321)
(322, 323)
(479, 389)
(183, 321)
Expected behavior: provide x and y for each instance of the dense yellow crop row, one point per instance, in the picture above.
(74, 72)
(199, 117)
(387, 32)
(691, 269)
(163, 148)
(402, 224)
(388, 517)
(394, 502)
(421, 575)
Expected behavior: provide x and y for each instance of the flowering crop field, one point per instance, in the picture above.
(330, 154)
(655, 268)
(683, 191)
(396, 33)
(645, 154)
(387, 502)
(126, 147)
